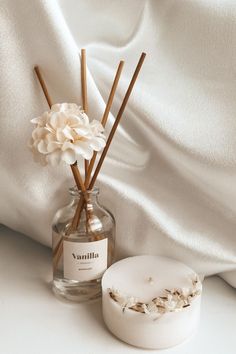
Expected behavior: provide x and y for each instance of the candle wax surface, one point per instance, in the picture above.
(146, 277)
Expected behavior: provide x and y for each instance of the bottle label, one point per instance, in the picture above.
(85, 261)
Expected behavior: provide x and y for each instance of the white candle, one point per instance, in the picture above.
(145, 278)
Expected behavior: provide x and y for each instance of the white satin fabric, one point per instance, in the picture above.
(170, 175)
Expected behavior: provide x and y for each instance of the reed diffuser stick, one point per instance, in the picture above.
(77, 176)
(43, 86)
(117, 121)
(113, 130)
(75, 170)
(105, 116)
(80, 185)
(80, 205)
(84, 94)
(84, 80)
(74, 167)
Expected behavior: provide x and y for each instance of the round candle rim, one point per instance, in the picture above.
(145, 255)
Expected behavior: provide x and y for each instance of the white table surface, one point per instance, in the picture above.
(33, 321)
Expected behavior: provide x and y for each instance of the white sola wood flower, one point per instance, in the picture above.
(64, 133)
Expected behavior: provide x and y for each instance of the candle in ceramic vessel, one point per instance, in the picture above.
(151, 301)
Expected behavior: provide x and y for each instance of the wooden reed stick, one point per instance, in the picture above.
(80, 186)
(86, 166)
(84, 94)
(58, 249)
(104, 121)
(43, 86)
(76, 173)
(84, 80)
(75, 170)
(76, 218)
(115, 125)
(117, 121)
(77, 177)
(105, 117)
(57, 252)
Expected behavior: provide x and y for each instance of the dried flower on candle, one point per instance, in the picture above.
(173, 300)
(124, 302)
(64, 133)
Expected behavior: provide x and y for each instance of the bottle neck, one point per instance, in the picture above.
(89, 196)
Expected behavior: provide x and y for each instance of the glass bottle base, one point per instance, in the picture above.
(77, 291)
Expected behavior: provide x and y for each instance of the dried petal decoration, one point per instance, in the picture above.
(172, 300)
(64, 133)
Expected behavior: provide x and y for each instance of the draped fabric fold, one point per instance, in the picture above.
(170, 175)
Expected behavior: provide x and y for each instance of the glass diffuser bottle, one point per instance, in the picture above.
(83, 243)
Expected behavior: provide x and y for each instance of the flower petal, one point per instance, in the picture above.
(74, 120)
(68, 132)
(42, 147)
(60, 136)
(36, 120)
(50, 137)
(59, 107)
(58, 120)
(67, 145)
(98, 144)
(54, 158)
(82, 129)
(52, 146)
(39, 133)
(85, 118)
(83, 148)
(68, 156)
(42, 120)
(97, 127)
